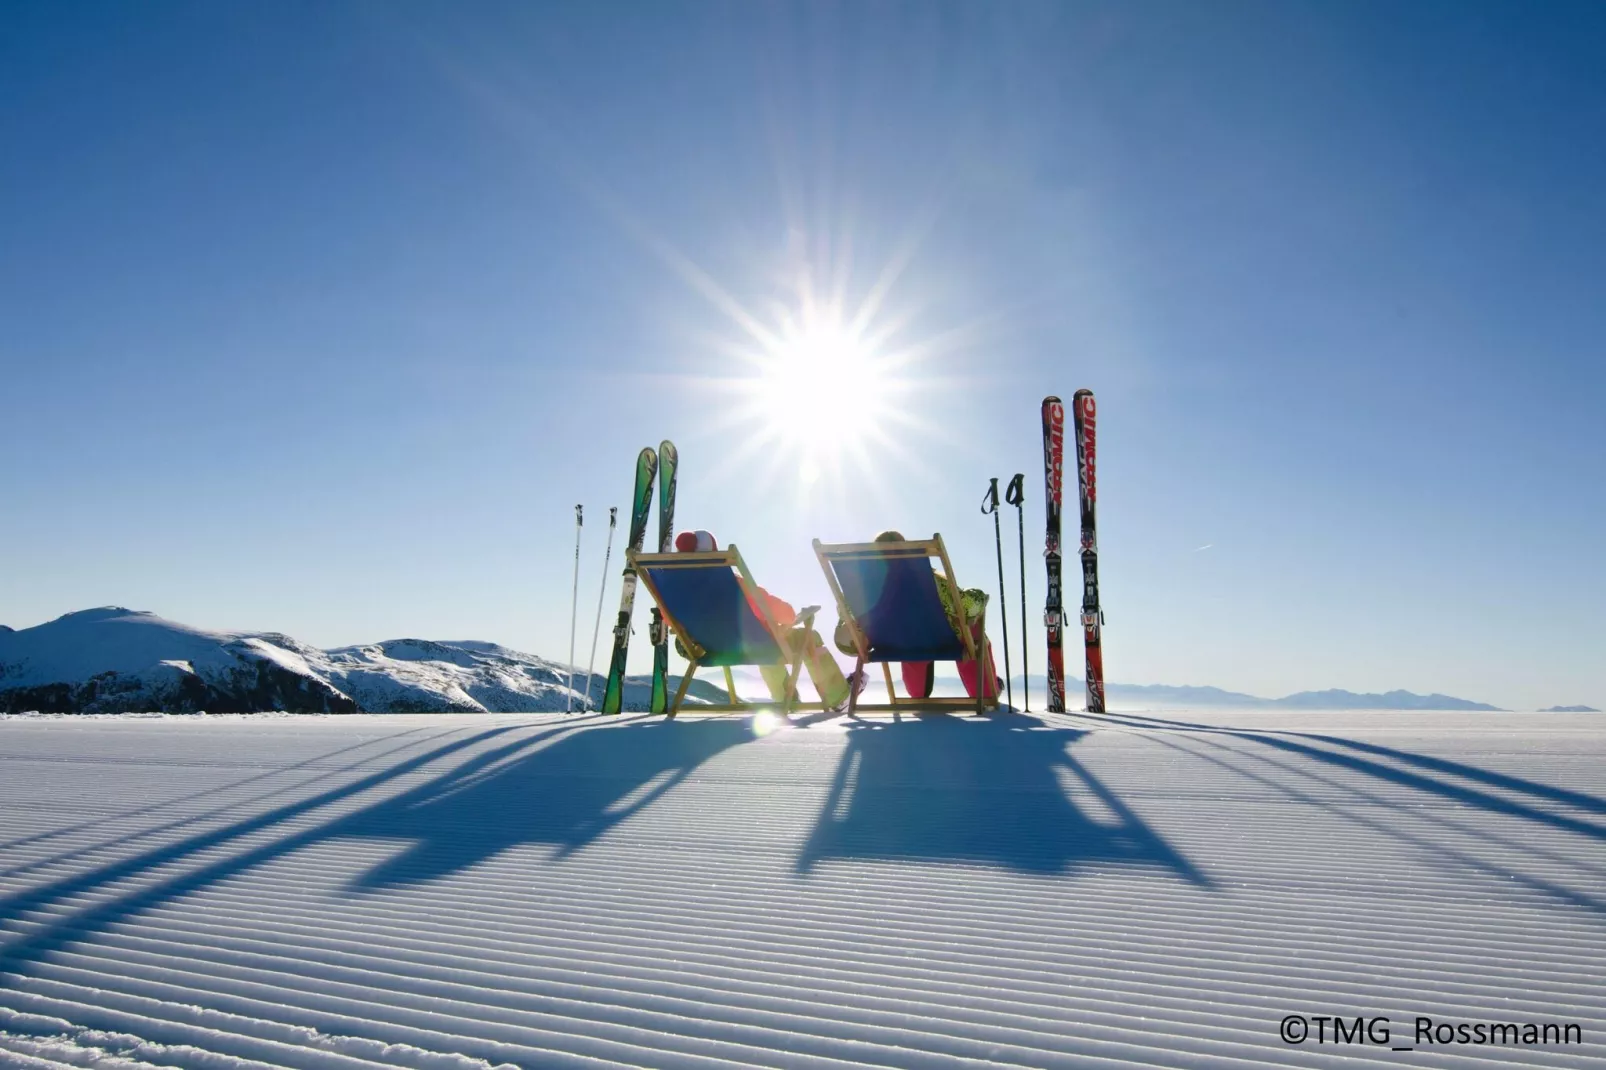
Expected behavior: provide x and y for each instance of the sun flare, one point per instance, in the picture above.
(821, 381)
(822, 390)
(823, 386)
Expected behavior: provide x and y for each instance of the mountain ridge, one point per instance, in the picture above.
(1184, 695)
(114, 659)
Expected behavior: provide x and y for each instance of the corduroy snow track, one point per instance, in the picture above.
(459, 891)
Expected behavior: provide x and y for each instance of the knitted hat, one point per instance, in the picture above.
(689, 541)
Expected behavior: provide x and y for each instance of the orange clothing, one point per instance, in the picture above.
(779, 608)
(817, 661)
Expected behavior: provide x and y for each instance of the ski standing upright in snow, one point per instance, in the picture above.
(613, 695)
(1084, 412)
(668, 461)
(1054, 612)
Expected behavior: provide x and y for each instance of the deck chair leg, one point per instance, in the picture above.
(853, 690)
(793, 672)
(886, 670)
(685, 685)
(978, 645)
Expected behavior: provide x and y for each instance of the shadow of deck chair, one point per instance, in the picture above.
(886, 593)
(709, 600)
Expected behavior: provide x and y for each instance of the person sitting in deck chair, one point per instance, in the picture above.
(919, 677)
(822, 668)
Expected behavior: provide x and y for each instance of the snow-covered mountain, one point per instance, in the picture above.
(1339, 699)
(111, 660)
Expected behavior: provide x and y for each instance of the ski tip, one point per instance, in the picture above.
(1052, 399)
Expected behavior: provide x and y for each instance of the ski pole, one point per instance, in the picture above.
(596, 629)
(989, 504)
(1016, 495)
(574, 603)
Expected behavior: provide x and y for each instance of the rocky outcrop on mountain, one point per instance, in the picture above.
(111, 660)
(253, 687)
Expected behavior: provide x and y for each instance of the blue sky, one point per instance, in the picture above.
(321, 317)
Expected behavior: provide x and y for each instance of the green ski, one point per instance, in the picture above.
(668, 461)
(613, 695)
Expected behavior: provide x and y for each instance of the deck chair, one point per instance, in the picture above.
(886, 593)
(708, 601)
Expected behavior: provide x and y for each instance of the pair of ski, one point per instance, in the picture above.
(1084, 425)
(661, 466)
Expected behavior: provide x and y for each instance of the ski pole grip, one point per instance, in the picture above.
(989, 501)
(1016, 492)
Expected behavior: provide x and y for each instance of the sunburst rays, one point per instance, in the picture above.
(836, 384)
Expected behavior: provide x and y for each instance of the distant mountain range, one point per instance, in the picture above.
(1169, 696)
(115, 660)
(112, 660)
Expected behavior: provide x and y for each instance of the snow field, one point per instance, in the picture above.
(461, 891)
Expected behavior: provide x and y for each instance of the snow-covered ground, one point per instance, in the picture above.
(452, 891)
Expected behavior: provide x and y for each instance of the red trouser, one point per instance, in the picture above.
(918, 675)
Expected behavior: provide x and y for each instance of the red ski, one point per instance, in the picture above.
(1084, 412)
(1054, 612)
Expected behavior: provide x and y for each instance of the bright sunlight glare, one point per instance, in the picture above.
(766, 722)
(822, 391)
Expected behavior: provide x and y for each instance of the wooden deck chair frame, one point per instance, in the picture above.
(792, 660)
(913, 548)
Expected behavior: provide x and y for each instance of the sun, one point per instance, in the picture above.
(822, 390)
(820, 384)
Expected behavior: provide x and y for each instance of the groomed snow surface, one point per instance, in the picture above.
(456, 891)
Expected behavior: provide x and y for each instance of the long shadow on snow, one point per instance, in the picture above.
(595, 786)
(126, 840)
(565, 794)
(990, 791)
(1292, 742)
(1312, 762)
